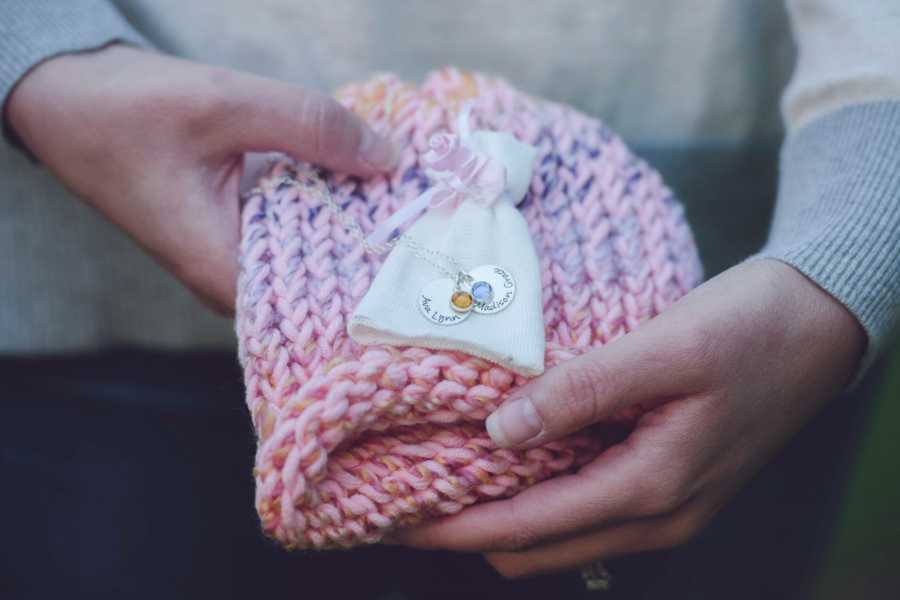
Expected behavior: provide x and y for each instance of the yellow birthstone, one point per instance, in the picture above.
(461, 301)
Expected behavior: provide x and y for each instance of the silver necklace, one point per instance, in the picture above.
(485, 289)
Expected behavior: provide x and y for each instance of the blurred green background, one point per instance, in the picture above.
(864, 556)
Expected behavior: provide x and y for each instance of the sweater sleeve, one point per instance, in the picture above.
(837, 217)
(32, 31)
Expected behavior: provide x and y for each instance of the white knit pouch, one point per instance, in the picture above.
(477, 233)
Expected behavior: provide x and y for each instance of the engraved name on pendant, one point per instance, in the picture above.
(502, 284)
(494, 285)
(434, 303)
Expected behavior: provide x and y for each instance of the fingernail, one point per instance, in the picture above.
(514, 423)
(377, 152)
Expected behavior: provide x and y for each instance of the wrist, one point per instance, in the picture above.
(820, 319)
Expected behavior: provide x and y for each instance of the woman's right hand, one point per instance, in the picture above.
(156, 144)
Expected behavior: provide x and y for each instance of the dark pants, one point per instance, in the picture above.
(128, 475)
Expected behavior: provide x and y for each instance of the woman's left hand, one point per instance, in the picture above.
(723, 378)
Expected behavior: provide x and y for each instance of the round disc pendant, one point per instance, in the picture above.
(435, 303)
(447, 302)
(493, 289)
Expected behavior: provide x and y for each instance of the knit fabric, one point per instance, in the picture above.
(355, 441)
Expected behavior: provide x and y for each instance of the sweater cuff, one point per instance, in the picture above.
(32, 31)
(837, 219)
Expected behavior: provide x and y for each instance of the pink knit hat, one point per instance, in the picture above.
(355, 441)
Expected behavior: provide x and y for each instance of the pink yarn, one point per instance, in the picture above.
(356, 441)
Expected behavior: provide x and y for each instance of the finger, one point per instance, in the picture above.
(266, 115)
(610, 542)
(656, 471)
(607, 491)
(639, 370)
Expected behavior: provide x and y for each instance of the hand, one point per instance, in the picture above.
(725, 376)
(157, 144)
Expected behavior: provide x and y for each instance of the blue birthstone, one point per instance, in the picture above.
(482, 292)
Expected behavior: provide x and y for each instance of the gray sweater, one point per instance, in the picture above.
(694, 86)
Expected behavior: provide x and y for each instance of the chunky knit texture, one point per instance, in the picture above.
(356, 441)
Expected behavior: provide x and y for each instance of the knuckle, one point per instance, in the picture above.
(655, 503)
(662, 495)
(518, 534)
(679, 531)
(191, 101)
(698, 344)
(215, 94)
(508, 566)
(325, 121)
(163, 108)
(581, 392)
(204, 104)
(518, 539)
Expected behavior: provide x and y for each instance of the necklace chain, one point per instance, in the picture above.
(419, 250)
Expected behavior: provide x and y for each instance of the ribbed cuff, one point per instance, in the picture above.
(31, 31)
(837, 219)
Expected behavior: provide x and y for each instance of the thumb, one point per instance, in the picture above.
(269, 115)
(641, 369)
